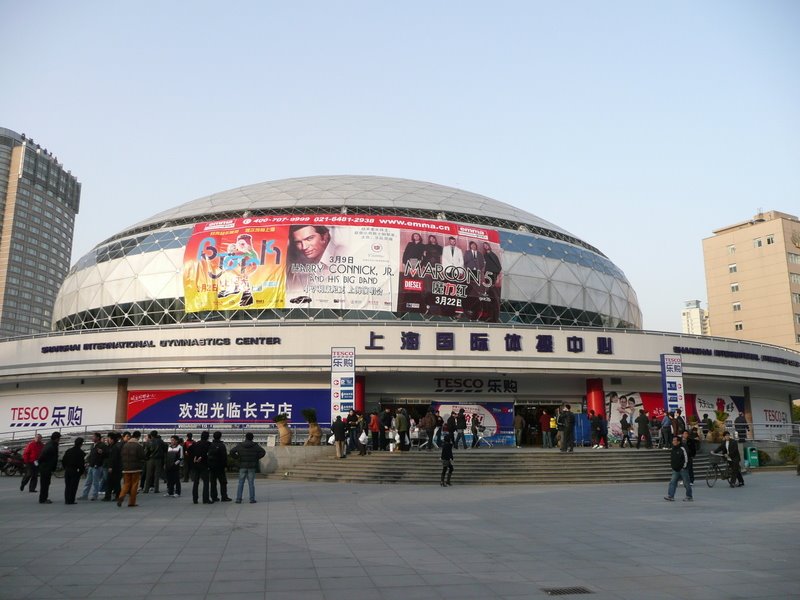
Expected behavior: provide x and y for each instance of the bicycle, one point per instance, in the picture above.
(719, 468)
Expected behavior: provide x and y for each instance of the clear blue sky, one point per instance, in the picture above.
(637, 126)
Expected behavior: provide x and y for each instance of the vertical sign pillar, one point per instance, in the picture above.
(672, 382)
(343, 381)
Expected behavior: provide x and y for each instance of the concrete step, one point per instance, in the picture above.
(496, 467)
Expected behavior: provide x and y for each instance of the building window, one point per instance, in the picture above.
(795, 298)
(732, 267)
(738, 326)
(734, 287)
(794, 258)
(794, 277)
(731, 249)
(737, 306)
(757, 243)
(770, 239)
(797, 318)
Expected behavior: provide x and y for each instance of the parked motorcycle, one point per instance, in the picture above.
(11, 461)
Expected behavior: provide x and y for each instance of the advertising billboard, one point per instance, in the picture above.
(350, 262)
(206, 407)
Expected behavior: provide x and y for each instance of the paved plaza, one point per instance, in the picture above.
(338, 541)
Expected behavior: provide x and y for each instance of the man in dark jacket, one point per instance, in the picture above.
(741, 427)
(48, 462)
(679, 461)
(461, 428)
(450, 426)
(567, 426)
(248, 453)
(447, 460)
(217, 464)
(643, 429)
(155, 451)
(339, 430)
(95, 474)
(730, 449)
(386, 426)
(198, 454)
(113, 465)
(73, 463)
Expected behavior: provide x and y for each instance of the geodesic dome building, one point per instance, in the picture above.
(549, 276)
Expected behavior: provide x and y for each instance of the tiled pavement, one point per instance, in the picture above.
(332, 541)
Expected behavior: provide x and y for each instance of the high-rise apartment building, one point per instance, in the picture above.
(694, 319)
(753, 279)
(38, 204)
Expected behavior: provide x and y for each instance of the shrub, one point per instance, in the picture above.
(763, 458)
(281, 417)
(310, 415)
(789, 454)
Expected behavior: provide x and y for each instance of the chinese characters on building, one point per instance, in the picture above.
(411, 341)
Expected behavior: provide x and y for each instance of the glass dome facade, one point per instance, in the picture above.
(550, 277)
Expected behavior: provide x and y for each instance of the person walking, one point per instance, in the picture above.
(519, 426)
(362, 434)
(248, 453)
(155, 452)
(625, 426)
(741, 427)
(567, 422)
(339, 430)
(375, 431)
(594, 428)
(74, 465)
(113, 465)
(217, 465)
(428, 425)
(461, 428)
(730, 449)
(386, 427)
(447, 461)
(403, 425)
(474, 422)
(132, 456)
(544, 426)
(95, 473)
(437, 433)
(48, 462)
(172, 467)
(187, 464)
(679, 461)
(679, 424)
(666, 430)
(351, 426)
(30, 458)
(643, 430)
(199, 455)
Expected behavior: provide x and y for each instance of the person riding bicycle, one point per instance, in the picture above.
(730, 449)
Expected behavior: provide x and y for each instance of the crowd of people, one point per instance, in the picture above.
(123, 465)
(391, 431)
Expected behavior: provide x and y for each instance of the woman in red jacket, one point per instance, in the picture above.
(374, 429)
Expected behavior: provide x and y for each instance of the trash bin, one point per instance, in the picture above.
(751, 456)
